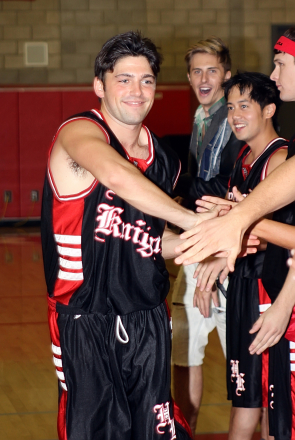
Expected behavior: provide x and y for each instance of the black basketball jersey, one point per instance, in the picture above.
(275, 269)
(246, 178)
(102, 255)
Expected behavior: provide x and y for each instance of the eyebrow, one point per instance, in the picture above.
(240, 101)
(207, 68)
(129, 75)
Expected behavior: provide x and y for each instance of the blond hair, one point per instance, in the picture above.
(213, 46)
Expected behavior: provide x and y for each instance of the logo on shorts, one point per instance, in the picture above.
(235, 374)
(163, 415)
(272, 394)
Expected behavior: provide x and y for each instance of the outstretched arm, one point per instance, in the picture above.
(225, 233)
(83, 143)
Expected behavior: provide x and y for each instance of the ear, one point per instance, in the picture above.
(269, 110)
(98, 87)
(227, 75)
(189, 78)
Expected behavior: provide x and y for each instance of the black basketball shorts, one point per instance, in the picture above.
(115, 376)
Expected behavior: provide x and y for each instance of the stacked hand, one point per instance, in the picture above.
(207, 272)
(220, 236)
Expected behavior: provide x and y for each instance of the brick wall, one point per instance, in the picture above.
(76, 29)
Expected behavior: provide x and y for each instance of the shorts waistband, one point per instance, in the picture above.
(67, 310)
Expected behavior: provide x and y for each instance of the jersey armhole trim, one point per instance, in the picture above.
(87, 191)
(178, 174)
(265, 168)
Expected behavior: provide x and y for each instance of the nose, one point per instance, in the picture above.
(204, 77)
(274, 74)
(235, 113)
(136, 88)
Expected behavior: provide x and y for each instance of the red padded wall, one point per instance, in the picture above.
(9, 150)
(40, 114)
(30, 118)
(78, 101)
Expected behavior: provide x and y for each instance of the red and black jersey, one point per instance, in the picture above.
(244, 371)
(275, 269)
(246, 178)
(101, 255)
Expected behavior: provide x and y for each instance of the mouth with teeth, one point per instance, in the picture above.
(204, 91)
(239, 126)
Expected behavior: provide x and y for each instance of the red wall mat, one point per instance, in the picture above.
(40, 114)
(78, 101)
(9, 150)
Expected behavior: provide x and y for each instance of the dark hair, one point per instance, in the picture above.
(213, 46)
(261, 89)
(123, 45)
(289, 33)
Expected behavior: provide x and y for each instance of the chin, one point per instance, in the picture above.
(204, 100)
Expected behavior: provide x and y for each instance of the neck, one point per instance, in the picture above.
(127, 135)
(206, 107)
(206, 110)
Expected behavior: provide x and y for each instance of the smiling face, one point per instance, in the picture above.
(127, 94)
(245, 116)
(206, 76)
(284, 76)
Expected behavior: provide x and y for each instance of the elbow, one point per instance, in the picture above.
(118, 178)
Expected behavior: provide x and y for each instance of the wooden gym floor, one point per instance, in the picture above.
(28, 385)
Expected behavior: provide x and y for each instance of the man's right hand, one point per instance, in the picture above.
(202, 300)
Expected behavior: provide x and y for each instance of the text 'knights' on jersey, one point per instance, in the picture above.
(101, 255)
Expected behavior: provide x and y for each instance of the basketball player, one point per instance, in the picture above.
(252, 100)
(274, 193)
(103, 243)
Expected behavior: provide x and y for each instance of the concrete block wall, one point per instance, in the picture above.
(76, 29)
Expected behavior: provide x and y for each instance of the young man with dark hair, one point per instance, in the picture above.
(106, 190)
(252, 100)
(212, 154)
(225, 235)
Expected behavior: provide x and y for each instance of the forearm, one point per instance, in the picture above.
(286, 297)
(274, 232)
(138, 191)
(169, 241)
(276, 191)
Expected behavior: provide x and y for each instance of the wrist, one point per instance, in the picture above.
(241, 217)
(284, 305)
(188, 220)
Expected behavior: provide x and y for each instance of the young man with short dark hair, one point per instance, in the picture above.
(252, 101)
(104, 245)
(226, 234)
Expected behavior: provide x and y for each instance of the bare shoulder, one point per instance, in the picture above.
(76, 130)
(68, 170)
(277, 159)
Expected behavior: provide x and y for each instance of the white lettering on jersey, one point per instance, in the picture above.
(109, 222)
